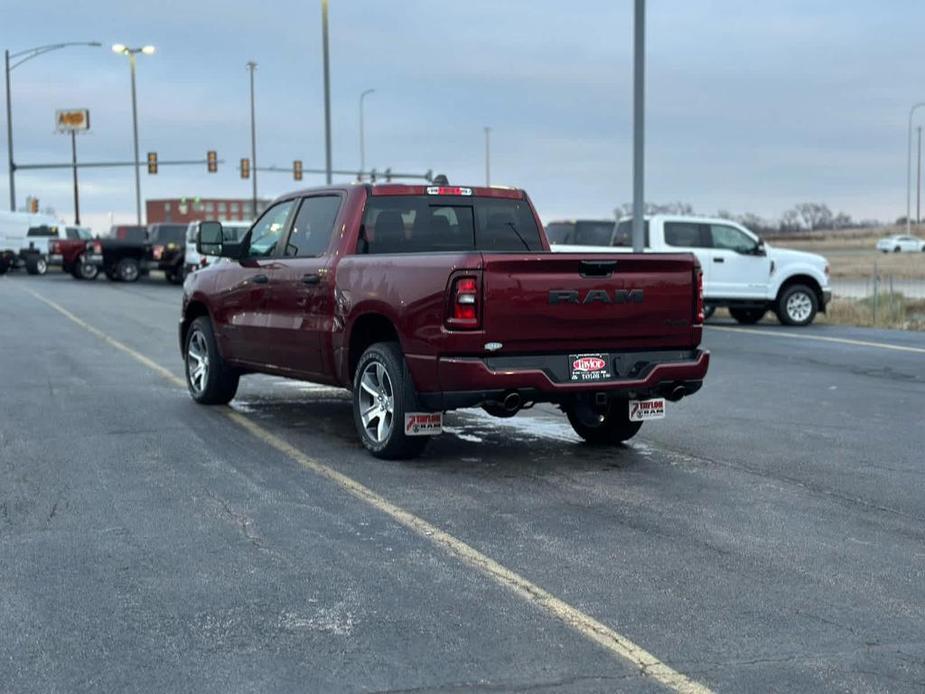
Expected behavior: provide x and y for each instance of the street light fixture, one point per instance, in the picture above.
(131, 53)
(23, 56)
(362, 134)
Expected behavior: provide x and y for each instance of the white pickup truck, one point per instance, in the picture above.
(740, 271)
(24, 239)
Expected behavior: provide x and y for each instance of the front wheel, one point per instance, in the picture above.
(382, 395)
(210, 382)
(747, 316)
(83, 270)
(610, 426)
(797, 305)
(176, 276)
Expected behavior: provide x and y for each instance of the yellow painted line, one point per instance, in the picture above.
(584, 624)
(819, 338)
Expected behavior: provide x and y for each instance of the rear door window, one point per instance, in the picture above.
(425, 224)
(623, 236)
(687, 235)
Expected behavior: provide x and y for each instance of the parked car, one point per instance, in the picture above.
(233, 231)
(167, 250)
(901, 243)
(24, 239)
(423, 299)
(69, 252)
(740, 271)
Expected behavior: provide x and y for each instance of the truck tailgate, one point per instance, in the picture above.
(564, 301)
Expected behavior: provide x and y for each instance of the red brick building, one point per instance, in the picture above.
(183, 210)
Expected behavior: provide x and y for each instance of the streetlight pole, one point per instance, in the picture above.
(909, 167)
(23, 56)
(76, 194)
(487, 156)
(918, 181)
(362, 133)
(131, 53)
(639, 66)
(252, 66)
(327, 91)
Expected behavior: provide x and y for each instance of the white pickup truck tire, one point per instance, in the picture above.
(797, 305)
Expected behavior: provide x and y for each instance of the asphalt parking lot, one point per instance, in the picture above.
(769, 535)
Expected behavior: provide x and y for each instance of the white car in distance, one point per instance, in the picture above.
(901, 243)
(232, 231)
(740, 271)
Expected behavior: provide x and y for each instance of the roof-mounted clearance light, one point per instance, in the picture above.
(448, 190)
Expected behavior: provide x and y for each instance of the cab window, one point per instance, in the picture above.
(313, 225)
(731, 239)
(687, 235)
(267, 232)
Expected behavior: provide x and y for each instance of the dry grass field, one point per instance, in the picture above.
(852, 255)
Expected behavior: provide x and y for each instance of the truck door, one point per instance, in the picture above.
(738, 269)
(301, 301)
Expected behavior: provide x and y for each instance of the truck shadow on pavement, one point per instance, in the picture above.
(472, 443)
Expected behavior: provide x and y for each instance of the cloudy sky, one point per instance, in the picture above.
(750, 106)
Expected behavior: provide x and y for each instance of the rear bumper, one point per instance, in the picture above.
(467, 381)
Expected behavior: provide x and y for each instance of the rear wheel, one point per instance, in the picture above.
(128, 270)
(708, 311)
(610, 426)
(176, 276)
(209, 380)
(382, 394)
(84, 270)
(747, 316)
(797, 305)
(36, 264)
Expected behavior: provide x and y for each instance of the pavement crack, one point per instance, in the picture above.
(510, 686)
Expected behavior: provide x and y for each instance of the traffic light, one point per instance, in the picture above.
(152, 162)
(297, 169)
(245, 168)
(34, 205)
(212, 161)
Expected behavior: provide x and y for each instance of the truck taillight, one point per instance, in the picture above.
(464, 303)
(698, 305)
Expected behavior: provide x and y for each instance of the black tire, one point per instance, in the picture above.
(609, 427)
(897, 249)
(797, 305)
(747, 316)
(84, 270)
(36, 264)
(128, 270)
(219, 383)
(176, 276)
(393, 444)
(4, 267)
(708, 312)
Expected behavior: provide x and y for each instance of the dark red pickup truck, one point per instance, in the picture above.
(422, 299)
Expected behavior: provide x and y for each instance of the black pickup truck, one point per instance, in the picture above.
(131, 252)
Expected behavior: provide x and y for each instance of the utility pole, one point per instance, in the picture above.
(487, 156)
(639, 57)
(76, 194)
(327, 91)
(362, 133)
(909, 167)
(918, 181)
(252, 66)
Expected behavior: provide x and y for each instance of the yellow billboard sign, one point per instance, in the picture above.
(67, 120)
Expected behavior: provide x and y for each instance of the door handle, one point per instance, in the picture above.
(311, 278)
(260, 279)
(719, 260)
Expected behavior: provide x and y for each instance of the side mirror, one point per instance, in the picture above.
(210, 240)
(760, 249)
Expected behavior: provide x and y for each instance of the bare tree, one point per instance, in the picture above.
(815, 215)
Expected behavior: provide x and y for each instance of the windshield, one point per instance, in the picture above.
(168, 233)
(560, 232)
(434, 224)
(593, 233)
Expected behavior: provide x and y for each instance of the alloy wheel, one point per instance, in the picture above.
(197, 362)
(377, 401)
(799, 307)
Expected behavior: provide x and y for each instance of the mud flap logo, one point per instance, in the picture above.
(641, 410)
(423, 423)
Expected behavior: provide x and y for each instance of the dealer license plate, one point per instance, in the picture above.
(642, 410)
(586, 368)
(423, 423)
